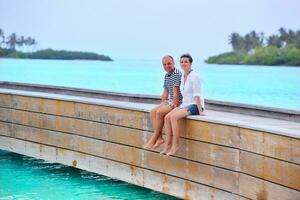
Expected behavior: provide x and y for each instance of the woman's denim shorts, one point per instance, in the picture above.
(193, 109)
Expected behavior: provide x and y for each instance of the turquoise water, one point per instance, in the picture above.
(260, 85)
(26, 178)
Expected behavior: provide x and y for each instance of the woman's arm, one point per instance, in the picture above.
(197, 92)
(199, 104)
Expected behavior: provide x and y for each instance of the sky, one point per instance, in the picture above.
(140, 29)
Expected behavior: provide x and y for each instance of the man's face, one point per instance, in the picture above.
(168, 64)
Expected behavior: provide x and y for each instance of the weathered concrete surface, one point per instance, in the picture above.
(270, 112)
(222, 156)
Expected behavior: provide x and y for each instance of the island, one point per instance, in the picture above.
(9, 44)
(257, 49)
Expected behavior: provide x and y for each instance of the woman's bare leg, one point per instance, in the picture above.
(175, 117)
(168, 129)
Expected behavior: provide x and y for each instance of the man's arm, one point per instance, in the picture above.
(176, 91)
(164, 95)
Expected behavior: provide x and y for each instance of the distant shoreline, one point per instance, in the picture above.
(256, 49)
(266, 56)
(50, 54)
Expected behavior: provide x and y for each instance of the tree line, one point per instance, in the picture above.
(256, 48)
(253, 40)
(13, 40)
(59, 55)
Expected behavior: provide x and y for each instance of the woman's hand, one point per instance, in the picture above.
(202, 113)
(198, 102)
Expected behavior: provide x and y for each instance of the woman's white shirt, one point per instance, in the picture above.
(191, 88)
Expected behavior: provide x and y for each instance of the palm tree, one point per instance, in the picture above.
(291, 34)
(2, 36)
(292, 37)
(248, 43)
(283, 36)
(29, 41)
(260, 38)
(12, 41)
(21, 41)
(274, 40)
(34, 43)
(256, 39)
(236, 41)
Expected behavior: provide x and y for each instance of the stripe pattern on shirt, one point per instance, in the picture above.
(173, 79)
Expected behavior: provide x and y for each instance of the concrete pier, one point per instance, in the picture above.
(223, 155)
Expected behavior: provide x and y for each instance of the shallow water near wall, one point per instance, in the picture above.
(23, 177)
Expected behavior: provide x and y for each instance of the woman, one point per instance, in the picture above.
(192, 104)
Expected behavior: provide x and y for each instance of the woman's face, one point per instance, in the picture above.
(185, 64)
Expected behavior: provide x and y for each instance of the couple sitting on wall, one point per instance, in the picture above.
(181, 97)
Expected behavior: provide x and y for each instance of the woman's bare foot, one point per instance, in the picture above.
(173, 150)
(158, 142)
(166, 149)
(149, 144)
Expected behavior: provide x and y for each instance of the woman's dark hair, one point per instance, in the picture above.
(187, 56)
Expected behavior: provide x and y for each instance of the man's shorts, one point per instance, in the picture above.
(168, 103)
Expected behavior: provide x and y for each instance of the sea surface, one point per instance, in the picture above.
(259, 85)
(26, 178)
(23, 177)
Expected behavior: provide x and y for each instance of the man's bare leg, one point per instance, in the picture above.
(156, 138)
(149, 144)
(160, 116)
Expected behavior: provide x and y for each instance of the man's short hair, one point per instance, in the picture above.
(168, 56)
(187, 56)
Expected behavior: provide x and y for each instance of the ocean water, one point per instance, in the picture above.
(259, 85)
(26, 178)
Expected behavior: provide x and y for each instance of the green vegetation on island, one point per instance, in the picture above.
(256, 49)
(9, 44)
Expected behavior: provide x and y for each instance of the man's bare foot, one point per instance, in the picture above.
(165, 150)
(159, 142)
(173, 150)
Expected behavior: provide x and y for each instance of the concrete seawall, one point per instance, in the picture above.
(223, 155)
(255, 110)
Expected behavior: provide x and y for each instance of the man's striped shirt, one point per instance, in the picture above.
(171, 80)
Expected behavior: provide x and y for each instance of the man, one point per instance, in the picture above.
(171, 98)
